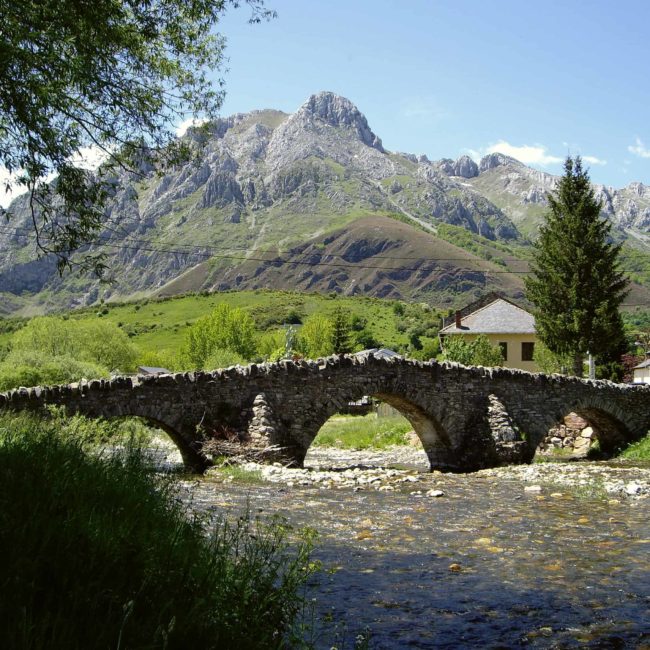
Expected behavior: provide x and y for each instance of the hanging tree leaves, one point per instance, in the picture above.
(576, 283)
(111, 75)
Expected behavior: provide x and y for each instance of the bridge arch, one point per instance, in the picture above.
(190, 450)
(612, 427)
(304, 429)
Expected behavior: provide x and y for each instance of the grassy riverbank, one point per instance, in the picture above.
(98, 553)
(639, 450)
(363, 432)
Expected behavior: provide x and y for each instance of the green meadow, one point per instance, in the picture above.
(159, 325)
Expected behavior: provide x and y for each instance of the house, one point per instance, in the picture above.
(378, 353)
(151, 370)
(504, 324)
(642, 373)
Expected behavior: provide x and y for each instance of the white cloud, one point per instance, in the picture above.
(536, 154)
(528, 154)
(592, 160)
(7, 195)
(639, 149)
(89, 157)
(181, 129)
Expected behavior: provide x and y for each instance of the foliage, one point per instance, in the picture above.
(36, 369)
(429, 349)
(109, 557)
(98, 342)
(576, 283)
(315, 337)
(159, 359)
(220, 358)
(363, 432)
(271, 344)
(629, 361)
(365, 340)
(52, 350)
(112, 74)
(639, 450)
(478, 352)
(225, 328)
(549, 362)
(341, 331)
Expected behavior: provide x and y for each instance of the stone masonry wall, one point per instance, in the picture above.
(465, 417)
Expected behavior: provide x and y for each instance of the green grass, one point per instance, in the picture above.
(160, 324)
(98, 552)
(639, 450)
(239, 474)
(363, 432)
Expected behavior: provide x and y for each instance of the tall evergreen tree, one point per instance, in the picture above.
(341, 331)
(576, 283)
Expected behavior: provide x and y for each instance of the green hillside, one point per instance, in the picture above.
(159, 326)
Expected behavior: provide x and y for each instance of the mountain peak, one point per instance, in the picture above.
(339, 111)
(497, 159)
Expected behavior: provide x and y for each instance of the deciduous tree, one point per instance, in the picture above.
(114, 75)
(478, 352)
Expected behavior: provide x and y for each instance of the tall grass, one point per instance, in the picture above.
(98, 552)
(639, 450)
(363, 432)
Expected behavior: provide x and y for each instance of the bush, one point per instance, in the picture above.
(30, 368)
(478, 352)
(226, 328)
(96, 342)
(270, 343)
(98, 553)
(315, 338)
(220, 358)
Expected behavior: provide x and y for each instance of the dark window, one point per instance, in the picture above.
(504, 350)
(527, 350)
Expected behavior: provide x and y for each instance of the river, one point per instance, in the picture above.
(542, 556)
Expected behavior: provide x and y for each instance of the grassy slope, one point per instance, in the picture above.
(160, 324)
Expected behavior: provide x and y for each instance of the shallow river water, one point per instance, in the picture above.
(548, 556)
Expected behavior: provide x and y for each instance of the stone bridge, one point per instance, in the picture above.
(467, 418)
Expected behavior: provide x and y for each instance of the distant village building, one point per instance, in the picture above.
(504, 324)
(642, 373)
(379, 353)
(152, 370)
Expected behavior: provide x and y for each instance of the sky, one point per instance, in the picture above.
(534, 80)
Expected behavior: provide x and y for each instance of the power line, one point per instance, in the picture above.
(203, 247)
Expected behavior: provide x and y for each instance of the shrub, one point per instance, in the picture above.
(220, 358)
(315, 337)
(478, 352)
(226, 328)
(96, 342)
(270, 343)
(30, 368)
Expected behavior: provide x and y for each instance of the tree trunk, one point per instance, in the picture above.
(578, 367)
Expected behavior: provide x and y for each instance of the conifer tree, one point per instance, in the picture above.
(576, 283)
(341, 331)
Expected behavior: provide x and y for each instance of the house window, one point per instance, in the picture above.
(527, 351)
(504, 349)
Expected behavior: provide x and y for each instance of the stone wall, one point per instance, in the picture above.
(466, 417)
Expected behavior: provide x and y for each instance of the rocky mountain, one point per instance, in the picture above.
(313, 201)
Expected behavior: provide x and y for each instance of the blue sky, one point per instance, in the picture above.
(536, 80)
